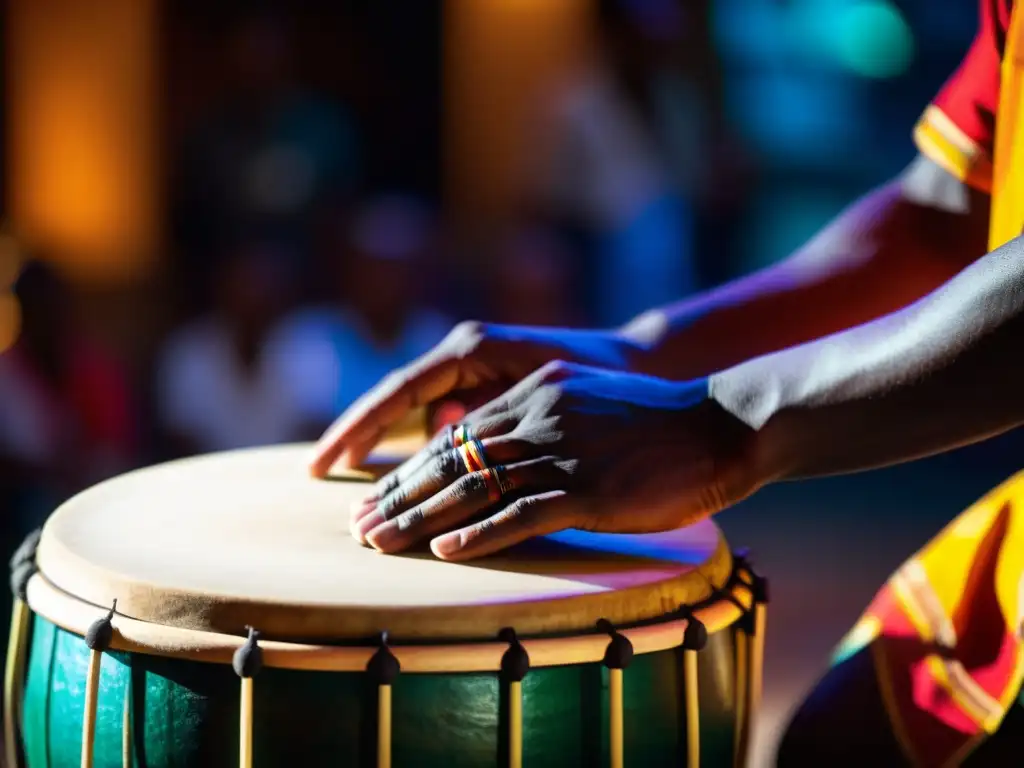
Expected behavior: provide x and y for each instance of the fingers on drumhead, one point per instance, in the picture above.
(443, 444)
(415, 482)
(456, 503)
(427, 474)
(524, 518)
(358, 430)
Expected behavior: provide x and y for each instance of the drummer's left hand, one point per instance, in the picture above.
(580, 447)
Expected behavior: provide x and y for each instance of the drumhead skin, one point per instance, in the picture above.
(220, 542)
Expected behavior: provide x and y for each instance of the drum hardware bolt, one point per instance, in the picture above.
(617, 657)
(759, 598)
(248, 660)
(695, 636)
(101, 632)
(383, 666)
(247, 663)
(619, 653)
(515, 662)
(744, 566)
(98, 638)
(23, 564)
(759, 588)
(26, 551)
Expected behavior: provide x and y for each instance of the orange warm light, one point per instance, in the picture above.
(502, 57)
(10, 261)
(10, 320)
(82, 127)
(10, 310)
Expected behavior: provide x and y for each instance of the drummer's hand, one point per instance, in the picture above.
(582, 448)
(476, 360)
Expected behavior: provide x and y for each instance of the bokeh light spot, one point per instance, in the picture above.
(873, 39)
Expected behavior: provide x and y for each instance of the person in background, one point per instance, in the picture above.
(219, 383)
(262, 162)
(626, 152)
(379, 256)
(532, 279)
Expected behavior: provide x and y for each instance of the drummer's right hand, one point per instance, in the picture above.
(476, 360)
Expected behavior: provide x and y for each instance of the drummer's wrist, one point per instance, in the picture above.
(753, 405)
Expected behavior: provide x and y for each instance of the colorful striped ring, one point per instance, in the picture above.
(472, 455)
(460, 436)
(493, 486)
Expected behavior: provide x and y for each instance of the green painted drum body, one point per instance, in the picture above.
(642, 650)
(185, 713)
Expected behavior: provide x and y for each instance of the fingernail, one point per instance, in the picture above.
(382, 536)
(449, 544)
(362, 508)
(363, 525)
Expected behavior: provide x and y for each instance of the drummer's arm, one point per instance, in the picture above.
(887, 250)
(944, 372)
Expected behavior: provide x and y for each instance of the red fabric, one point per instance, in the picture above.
(99, 400)
(936, 724)
(970, 97)
(102, 400)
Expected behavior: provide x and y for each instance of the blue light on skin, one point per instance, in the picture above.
(644, 546)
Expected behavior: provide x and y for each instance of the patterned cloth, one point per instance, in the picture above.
(931, 674)
(944, 633)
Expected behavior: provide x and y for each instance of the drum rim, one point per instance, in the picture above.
(535, 617)
(71, 614)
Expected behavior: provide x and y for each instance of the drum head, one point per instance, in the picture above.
(249, 538)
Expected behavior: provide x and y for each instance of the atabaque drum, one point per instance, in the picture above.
(216, 612)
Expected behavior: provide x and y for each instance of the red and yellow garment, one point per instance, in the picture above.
(945, 632)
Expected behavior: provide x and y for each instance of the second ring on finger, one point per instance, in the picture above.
(470, 495)
(433, 476)
(452, 437)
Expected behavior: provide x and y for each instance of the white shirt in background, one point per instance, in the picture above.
(205, 395)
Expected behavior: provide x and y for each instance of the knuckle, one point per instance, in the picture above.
(548, 399)
(448, 464)
(555, 370)
(393, 381)
(469, 485)
(518, 509)
(385, 486)
(466, 337)
(393, 501)
(444, 441)
(407, 520)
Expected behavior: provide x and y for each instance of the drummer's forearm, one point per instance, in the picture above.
(941, 373)
(887, 250)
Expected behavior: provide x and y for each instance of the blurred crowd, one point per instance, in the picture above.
(295, 284)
